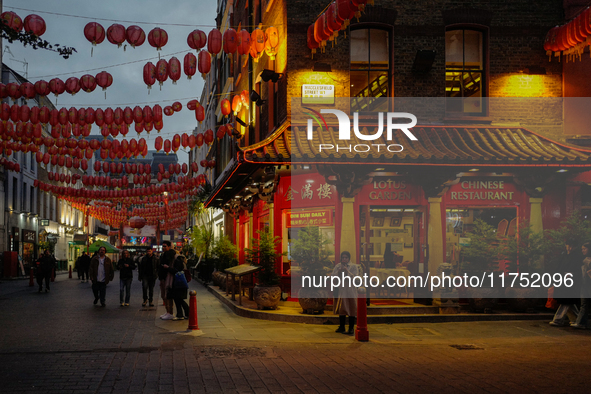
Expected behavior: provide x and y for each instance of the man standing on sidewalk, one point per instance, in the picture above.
(166, 260)
(85, 265)
(45, 266)
(147, 274)
(101, 272)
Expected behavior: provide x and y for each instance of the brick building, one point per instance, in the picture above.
(492, 135)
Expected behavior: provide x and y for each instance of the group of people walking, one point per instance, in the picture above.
(576, 262)
(169, 268)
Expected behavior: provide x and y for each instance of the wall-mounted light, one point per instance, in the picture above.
(269, 75)
(534, 70)
(322, 67)
(256, 98)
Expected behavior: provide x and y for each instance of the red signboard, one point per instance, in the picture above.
(320, 217)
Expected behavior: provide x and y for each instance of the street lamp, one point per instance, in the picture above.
(165, 212)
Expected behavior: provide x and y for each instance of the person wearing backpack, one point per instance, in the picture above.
(179, 287)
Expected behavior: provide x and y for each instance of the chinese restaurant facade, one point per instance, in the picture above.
(475, 159)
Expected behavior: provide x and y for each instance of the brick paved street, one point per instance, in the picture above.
(59, 342)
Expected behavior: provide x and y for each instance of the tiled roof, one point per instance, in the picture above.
(436, 145)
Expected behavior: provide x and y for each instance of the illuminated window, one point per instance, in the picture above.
(465, 71)
(370, 68)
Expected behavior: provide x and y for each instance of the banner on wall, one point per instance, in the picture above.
(146, 231)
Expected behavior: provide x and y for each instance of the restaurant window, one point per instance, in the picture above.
(370, 69)
(465, 71)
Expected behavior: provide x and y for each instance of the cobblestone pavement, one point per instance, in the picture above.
(58, 342)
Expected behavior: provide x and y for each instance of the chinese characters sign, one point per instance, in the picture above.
(309, 192)
(321, 217)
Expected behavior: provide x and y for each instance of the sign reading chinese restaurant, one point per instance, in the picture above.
(317, 94)
(483, 191)
(320, 217)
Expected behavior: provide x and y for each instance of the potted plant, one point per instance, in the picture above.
(480, 256)
(524, 254)
(263, 253)
(202, 234)
(311, 254)
(223, 256)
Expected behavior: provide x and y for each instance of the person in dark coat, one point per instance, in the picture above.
(85, 266)
(585, 286)
(389, 257)
(126, 265)
(101, 273)
(569, 263)
(147, 274)
(179, 292)
(167, 258)
(45, 266)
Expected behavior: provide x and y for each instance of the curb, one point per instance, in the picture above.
(377, 319)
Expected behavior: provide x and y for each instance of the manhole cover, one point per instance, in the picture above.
(467, 347)
(416, 331)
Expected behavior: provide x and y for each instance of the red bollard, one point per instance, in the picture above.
(361, 333)
(53, 275)
(70, 273)
(31, 278)
(193, 325)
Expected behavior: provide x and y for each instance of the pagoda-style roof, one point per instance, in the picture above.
(435, 145)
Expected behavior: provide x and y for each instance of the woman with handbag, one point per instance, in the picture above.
(180, 287)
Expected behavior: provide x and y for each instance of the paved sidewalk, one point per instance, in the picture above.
(59, 342)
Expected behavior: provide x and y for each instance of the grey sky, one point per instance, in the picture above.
(177, 17)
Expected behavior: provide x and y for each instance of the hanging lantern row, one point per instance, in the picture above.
(330, 22)
(102, 180)
(32, 24)
(63, 178)
(162, 71)
(145, 116)
(239, 101)
(194, 105)
(73, 85)
(10, 165)
(120, 168)
(117, 34)
(570, 39)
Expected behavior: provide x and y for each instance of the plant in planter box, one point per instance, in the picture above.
(480, 256)
(263, 253)
(202, 234)
(524, 253)
(311, 254)
(224, 254)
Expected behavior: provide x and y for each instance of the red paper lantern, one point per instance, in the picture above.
(192, 104)
(167, 146)
(157, 38)
(311, 41)
(184, 140)
(42, 88)
(72, 85)
(35, 25)
(177, 107)
(27, 90)
(149, 74)
(118, 116)
(196, 39)
(14, 90)
(161, 71)
(137, 222)
(176, 142)
(87, 83)
(236, 104)
(190, 65)
(135, 36)
(230, 41)
(174, 69)
(56, 86)
(192, 141)
(147, 114)
(104, 79)
(200, 113)
(128, 115)
(94, 32)
(243, 42)
(257, 40)
(116, 34)
(168, 111)
(12, 20)
(73, 115)
(108, 115)
(199, 140)
(157, 113)
(208, 137)
(204, 63)
(221, 132)
(226, 107)
(214, 42)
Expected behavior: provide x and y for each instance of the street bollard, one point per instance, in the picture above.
(53, 275)
(70, 273)
(361, 333)
(193, 325)
(31, 278)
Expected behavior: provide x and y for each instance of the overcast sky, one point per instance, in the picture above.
(65, 21)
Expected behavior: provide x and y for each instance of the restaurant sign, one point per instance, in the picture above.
(320, 217)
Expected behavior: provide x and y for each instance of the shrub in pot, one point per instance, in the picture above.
(263, 253)
(309, 251)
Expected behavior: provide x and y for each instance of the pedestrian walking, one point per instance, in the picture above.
(45, 265)
(585, 288)
(78, 268)
(85, 263)
(126, 265)
(166, 278)
(180, 287)
(147, 274)
(569, 263)
(345, 303)
(101, 273)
